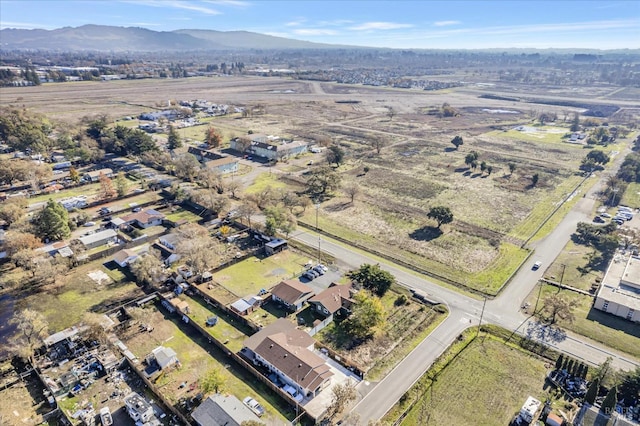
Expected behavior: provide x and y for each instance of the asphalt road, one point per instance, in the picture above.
(465, 311)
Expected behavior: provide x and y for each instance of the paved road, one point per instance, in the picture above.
(465, 311)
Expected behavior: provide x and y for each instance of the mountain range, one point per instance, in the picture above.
(135, 39)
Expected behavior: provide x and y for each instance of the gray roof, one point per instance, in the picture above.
(222, 410)
(98, 236)
(241, 305)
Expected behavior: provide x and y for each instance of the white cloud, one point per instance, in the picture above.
(446, 23)
(24, 25)
(295, 23)
(380, 26)
(176, 4)
(314, 32)
(239, 3)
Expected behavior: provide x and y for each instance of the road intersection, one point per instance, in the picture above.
(465, 311)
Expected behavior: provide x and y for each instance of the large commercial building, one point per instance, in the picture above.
(619, 293)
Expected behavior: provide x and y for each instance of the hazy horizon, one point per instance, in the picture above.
(402, 24)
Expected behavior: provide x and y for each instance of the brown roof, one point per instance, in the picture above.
(292, 291)
(143, 216)
(122, 255)
(286, 348)
(220, 162)
(333, 298)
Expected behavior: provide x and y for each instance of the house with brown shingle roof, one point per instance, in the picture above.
(292, 293)
(332, 300)
(144, 218)
(288, 353)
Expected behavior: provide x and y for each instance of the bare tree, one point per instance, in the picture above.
(342, 395)
(246, 210)
(198, 249)
(148, 268)
(352, 190)
(558, 307)
(378, 143)
(31, 329)
(390, 112)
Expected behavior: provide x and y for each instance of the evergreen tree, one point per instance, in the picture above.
(610, 401)
(174, 141)
(559, 362)
(592, 392)
(53, 222)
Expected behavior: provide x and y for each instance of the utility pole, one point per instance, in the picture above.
(319, 251)
(562, 273)
(535, 308)
(481, 315)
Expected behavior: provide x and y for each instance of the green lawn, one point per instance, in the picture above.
(182, 214)
(249, 276)
(612, 331)
(567, 266)
(631, 197)
(547, 134)
(486, 384)
(264, 181)
(226, 330)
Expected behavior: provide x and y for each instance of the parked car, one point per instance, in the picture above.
(319, 270)
(598, 219)
(536, 265)
(618, 221)
(105, 417)
(88, 224)
(254, 406)
(607, 215)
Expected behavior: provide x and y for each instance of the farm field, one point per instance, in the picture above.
(486, 384)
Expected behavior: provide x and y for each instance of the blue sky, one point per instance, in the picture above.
(398, 24)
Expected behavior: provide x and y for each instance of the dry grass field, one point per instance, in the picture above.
(418, 167)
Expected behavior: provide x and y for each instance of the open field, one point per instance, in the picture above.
(605, 328)
(477, 381)
(64, 303)
(416, 169)
(569, 266)
(197, 356)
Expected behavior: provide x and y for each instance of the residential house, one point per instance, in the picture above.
(269, 147)
(94, 176)
(214, 161)
(144, 218)
(619, 292)
(99, 238)
(246, 305)
(332, 300)
(225, 410)
(165, 357)
(292, 294)
(170, 241)
(138, 408)
(125, 257)
(288, 353)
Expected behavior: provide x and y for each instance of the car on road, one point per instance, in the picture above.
(536, 265)
(254, 406)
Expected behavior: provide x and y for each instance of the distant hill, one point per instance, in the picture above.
(119, 39)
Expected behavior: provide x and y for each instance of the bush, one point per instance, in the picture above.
(400, 300)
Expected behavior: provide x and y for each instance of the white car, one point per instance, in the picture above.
(536, 265)
(254, 406)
